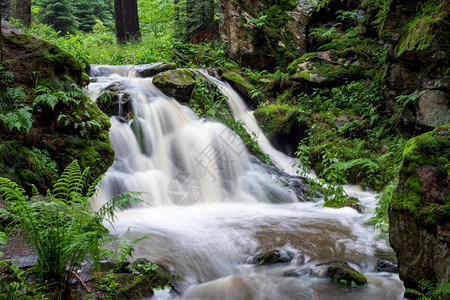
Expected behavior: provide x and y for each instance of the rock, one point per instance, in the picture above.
(230, 287)
(178, 84)
(324, 69)
(153, 69)
(158, 276)
(415, 40)
(114, 101)
(386, 266)
(66, 132)
(419, 223)
(433, 109)
(285, 182)
(351, 202)
(281, 125)
(346, 275)
(245, 87)
(268, 257)
(130, 286)
(261, 34)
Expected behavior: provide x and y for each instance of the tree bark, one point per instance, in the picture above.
(22, 12)
(5, 9)
(127, 21)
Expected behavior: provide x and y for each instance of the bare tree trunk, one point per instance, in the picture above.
(5, 7)
(1, 32)
(127, 21)
(22, 12)
(177, 14)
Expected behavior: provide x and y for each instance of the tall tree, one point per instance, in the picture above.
(5, 9)
(127, 21)
(60, 15)
(22, 12)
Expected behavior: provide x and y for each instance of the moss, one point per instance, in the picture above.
(335, 203)
(235, 77)
(346, 275)
(422, 189)
(275, 119)
(292, 68)
(421, 30)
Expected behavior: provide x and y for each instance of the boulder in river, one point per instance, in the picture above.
(178, 84)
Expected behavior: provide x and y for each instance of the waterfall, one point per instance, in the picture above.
(174, 157)
(210, 205)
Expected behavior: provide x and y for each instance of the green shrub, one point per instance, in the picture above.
(63, 229)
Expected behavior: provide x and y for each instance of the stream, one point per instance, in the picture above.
(209, 205)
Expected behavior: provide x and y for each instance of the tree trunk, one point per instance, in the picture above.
(1, 33)
(5, 9)
(177, 13)
(127, 21)
(22, 12)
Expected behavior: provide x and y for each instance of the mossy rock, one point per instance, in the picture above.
(423, 190)
(281, 125)
(74, 129)
(153, 69)
(349, 202)
(122, 286)
(325, 68)
(270, 256)
(178, 84)
(346, 275)
(244, 86)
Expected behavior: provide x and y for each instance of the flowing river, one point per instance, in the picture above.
(209, 205)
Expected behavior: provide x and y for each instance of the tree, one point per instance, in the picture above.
(127, 21)
(194, 16)
(22, 12)
(60, 15)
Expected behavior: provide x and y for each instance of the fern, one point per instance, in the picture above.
(429, 291)
(62, 228)
(18, 118)
(46, 99)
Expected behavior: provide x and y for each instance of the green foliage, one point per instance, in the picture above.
(330, 180)
(259, 21)
(68, 16)
(50, 96)
(418, 34)
(407, 100)
(13, 282)
(13, 108)
(61, 226)
(194, 16)
(124, 249)
(428, 291)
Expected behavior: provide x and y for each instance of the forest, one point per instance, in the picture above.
(218, 149)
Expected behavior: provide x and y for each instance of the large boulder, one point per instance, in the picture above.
(71, 127)
(153, 69)
(178, 84)
(114, 101)
(265, 33)
(281, 125)
(419, 212)
(417, 61)
(325, 68)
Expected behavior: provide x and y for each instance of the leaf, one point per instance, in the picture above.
(46, 99)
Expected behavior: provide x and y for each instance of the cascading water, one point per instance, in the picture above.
(209, 206)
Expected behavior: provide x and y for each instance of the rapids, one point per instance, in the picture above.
(208, 206)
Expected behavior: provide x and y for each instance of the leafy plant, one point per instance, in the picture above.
(429, 291)
(124, 249)
(61, 226)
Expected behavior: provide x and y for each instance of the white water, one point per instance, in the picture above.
(224, 212)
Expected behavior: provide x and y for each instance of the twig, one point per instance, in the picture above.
(81, 281)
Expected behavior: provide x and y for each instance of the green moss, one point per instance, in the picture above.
(420, 32)
(346, 275)
(292, 68)
(422, 189)
(275, 119)
(235, 77)
(335, 203)
(177, 77)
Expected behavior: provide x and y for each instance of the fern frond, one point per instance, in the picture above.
(71, 181)
(10, 191)
(46, 99)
